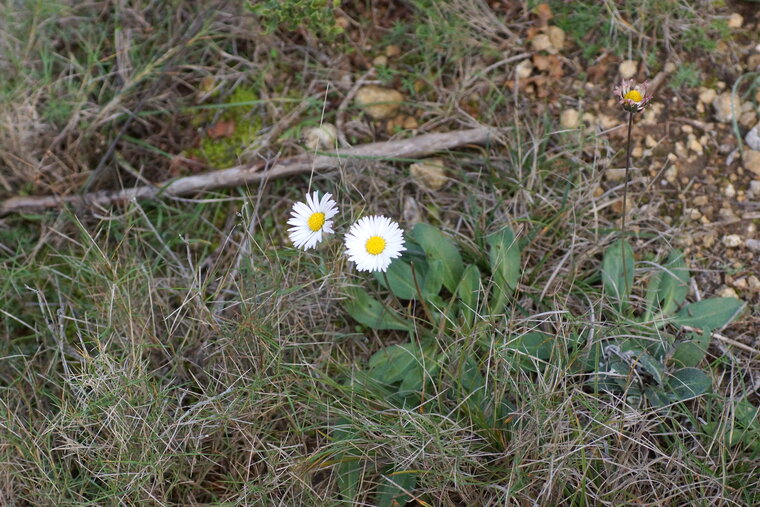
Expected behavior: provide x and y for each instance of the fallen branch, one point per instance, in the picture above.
(242, 175)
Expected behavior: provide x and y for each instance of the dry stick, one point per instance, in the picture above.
(242, 175)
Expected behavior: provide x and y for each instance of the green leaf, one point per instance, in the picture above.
(656, 396)
(617, 271)
(688, 383)
(414, 253)
(531, 347)
(746, 414)
(349, 470)
(439, 247)
(412, 383)
(669, 287)
(368, 311)
(393, 363)
(691, 352)
(399, 275)
(471, 390)
(433, 280)
(467, 292)
(393, 490)
(652, 366)
(471, 379)
(709, 314)
(535, 344)
(739, 425)
(505, 258)
(349, 478)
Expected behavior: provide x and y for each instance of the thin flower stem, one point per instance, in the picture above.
(625, 200)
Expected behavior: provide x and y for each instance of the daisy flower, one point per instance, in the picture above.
(633, 97)
(311, 219)
(373, 242)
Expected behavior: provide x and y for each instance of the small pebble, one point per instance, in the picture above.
(732, 240)
(753, 244)
(753, 138)
(392, 51)
(569, 119)
(524, 69)
(754, 188)
(628, 68)
(736, 20)
(741, 283)
(726, 105)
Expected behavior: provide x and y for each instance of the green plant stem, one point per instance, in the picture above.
(625, 199)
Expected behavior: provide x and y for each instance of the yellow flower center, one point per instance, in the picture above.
(316, 221)
(375, 245)
(633, 95)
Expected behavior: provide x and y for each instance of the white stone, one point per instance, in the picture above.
(736, 20)
(321, 138)
(569, 119)
(726, 106)
(378, 102)
(748, 119)
(681, 150)
(628, 69)
(729, 191)
(556, 37)
(541, 42)
(754, 188)
(751, 161)
(524, 69)
(429, 173)
(694, 145)
(707, 95)
(753, 138)
(614, 175)
(732, 240)
(753, 244)
(671, 173)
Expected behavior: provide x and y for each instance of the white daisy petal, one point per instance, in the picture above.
(309, 220)
(372, 242)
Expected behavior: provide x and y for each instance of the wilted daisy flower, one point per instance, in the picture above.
(633, 97)
(310, 220)
(373, 242)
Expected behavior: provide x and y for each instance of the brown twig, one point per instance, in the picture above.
(252, 173)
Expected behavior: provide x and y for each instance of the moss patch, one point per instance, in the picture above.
(224, 151)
